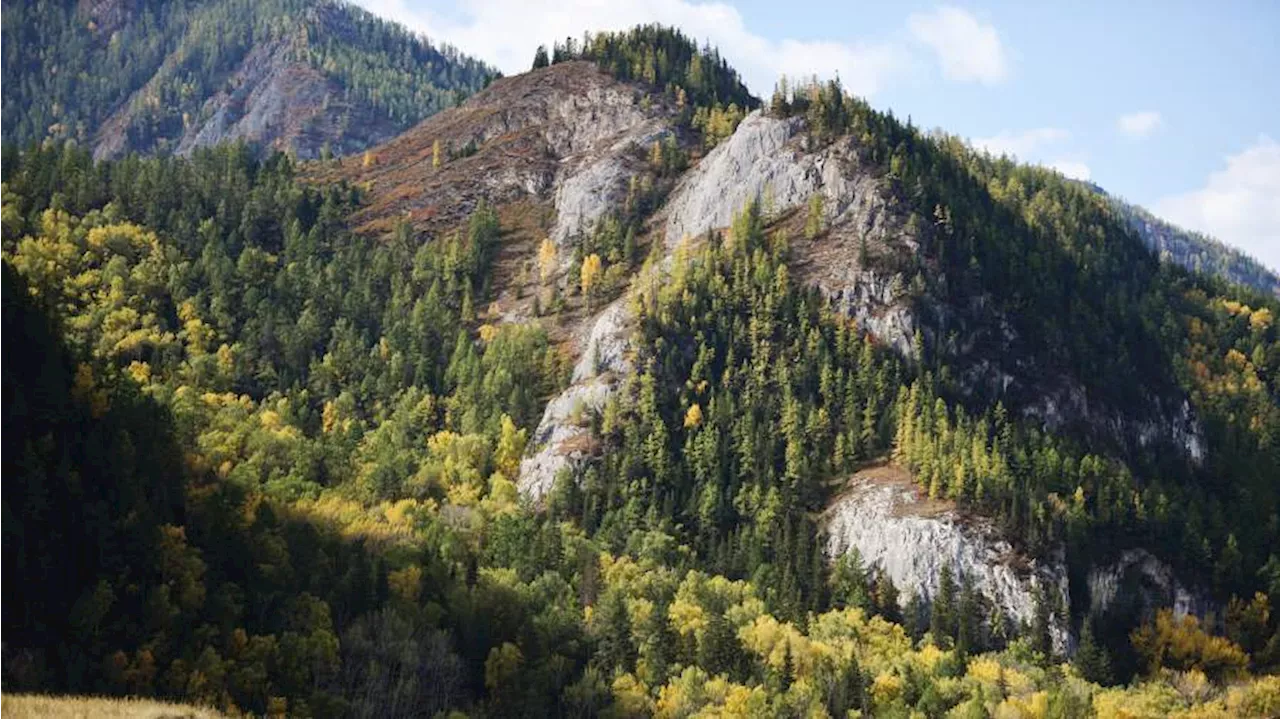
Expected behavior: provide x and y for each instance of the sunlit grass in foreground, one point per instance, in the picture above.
(20, 706)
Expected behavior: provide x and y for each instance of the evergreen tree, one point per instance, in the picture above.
(1091, 660)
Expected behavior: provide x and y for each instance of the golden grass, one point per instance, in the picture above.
(20, 706)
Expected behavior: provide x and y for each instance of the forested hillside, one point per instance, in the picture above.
(268, 435)
(305, 76)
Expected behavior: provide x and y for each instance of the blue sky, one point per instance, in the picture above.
(1173, 105)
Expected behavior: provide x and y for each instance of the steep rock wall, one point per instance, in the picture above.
(1138, 575)
(286, 105)
(769, 159)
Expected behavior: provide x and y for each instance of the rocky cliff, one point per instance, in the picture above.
(881, 513)
(769, 159)
(567, 138)
(272, 101)
(562, 440)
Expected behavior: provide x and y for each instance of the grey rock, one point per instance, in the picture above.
(911, 542)
(560, 441)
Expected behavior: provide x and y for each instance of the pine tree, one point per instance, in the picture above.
(849, 586)
(1041, 639)
(540, 58)
(968, 619)
(813, 223)
(942, 620)
(1091, 660)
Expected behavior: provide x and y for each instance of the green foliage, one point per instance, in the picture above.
(270, 455)
(730, 333)
(1091, 660)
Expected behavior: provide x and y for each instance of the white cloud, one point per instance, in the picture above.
(506, 33)
(1139, 124)
(1023, 144)
(1040, 145)
(1074, 169)
(967, 49)
(1239, 205)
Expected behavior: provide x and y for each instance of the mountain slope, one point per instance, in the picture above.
(1006, 288)
(1009, 286)
(1197, 252)
(296, 75)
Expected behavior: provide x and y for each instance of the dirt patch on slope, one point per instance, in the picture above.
(883, 473)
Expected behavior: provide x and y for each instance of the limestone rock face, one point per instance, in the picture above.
(760, 159)
(769, 159)
(911, 539)
(592, 184)
(882, 514)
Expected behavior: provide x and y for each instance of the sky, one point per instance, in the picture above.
(1173, 104)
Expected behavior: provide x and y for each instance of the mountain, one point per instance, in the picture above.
(303, 76)
(1197, 252)
(918, 239)
(615, 391)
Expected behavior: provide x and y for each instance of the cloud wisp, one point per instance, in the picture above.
(1139, 124)
(966, 49)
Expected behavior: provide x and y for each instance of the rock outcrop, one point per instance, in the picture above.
(275, 102)
(911, 539)
(769, 159)
(272, 101)
(561, 439)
